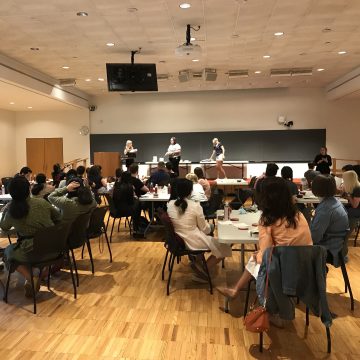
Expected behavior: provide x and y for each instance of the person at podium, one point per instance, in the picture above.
(130, 153)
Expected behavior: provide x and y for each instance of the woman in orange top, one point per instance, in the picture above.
(281, 224)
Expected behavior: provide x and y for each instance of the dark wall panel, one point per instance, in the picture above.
(269, 145)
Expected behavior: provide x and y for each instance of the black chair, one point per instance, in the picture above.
(215, 203)
(357, 232)
(176, 247)
(78, 237)
(96, 230)
(51, 240)
(114, 214)
(311, 254)
(6, 181)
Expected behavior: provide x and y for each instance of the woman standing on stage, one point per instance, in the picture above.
(130, 153)
(174, 153)
(219, 152)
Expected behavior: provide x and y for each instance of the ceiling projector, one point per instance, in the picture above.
(188, 49)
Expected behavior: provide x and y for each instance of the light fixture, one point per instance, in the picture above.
(320, 69)
(266, 56)
(87, 80)
(132, 10)
(195, 60)
(341, 52)
(192, 39)
(185, 6)
(101, 79)
(66, 67)
(257, 72)
(29, 107)
(34, 49)
(187, 48)
(110, 44)
(12, 103)
(326, 30)
(82, 13)
(279, 33)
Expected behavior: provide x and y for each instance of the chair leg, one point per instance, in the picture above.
(108, 245)
(119, 224)
(9, 239)
(33, 287)
(207, 272)
(347, 282)
(307, 321)
(107, 223)
(223, 263)
(48, 277)
(171, 262)
(328, 336)
(75, 267)
(82, 251)
(357, 234)
(8, 283)
(112, 229)
(72, 274)
(164, 265)
(90, 255)
(246, 306)
(261, 340)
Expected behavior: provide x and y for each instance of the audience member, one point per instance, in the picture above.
(270, 172)
(330, 222)
(352, 194)
(118, 173)
(190, 224)
(198, 193)
(69, 175)
(287, 175)
(310, 174)
(41, 189)
(57, 174)
(139, 187)
(27, 215)
(160, 177)
(26, 172)
(203, 181)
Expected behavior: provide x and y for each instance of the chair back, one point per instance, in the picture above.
(111, 203)
(50, 240)
(174, 242)
(78, 231)
(216, 201)
(96, 224)
(6, 181)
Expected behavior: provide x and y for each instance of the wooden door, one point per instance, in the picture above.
(109, 162)
(43, 153)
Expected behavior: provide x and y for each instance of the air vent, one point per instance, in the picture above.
(233, 74)
(280, 72)
(210, 74)
(301, 72)
(162, 77)
(197, 75)
(184, 75)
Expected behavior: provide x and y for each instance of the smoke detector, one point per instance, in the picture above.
(188, 49)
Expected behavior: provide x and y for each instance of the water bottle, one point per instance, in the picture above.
(151, 187)
(227, 211)
(2, 190)
(169, 189)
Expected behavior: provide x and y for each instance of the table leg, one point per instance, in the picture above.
(151, 219)
(242, 257)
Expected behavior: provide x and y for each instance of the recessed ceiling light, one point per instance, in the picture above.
(185, 6)
(162, 61)
(235, 36)
(12, 103)
(195, 60)
(192, 39)
(82, 13)
(66, 67)
(266, 56)
(279, 33)
(110, 44)
(326, 30)
(320, 69)
(34, 49)
(257, 72)
(341, 52)
(132, 9)
(87, 80)
(29, 107)
(101, 79)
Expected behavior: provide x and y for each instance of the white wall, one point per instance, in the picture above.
(231, 110)
(7, 143)
(65, 124)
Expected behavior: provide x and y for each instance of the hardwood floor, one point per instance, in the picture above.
(123, 312)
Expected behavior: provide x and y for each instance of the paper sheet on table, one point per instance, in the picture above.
(241, 225)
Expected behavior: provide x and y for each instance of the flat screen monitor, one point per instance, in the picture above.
(131, 77)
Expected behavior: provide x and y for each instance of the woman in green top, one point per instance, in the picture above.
(27, 215)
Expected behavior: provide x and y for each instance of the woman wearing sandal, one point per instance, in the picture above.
(280, 224)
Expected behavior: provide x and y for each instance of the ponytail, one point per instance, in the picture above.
(182, 204)
(184, 188)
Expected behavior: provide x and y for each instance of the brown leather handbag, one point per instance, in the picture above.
(257, 319)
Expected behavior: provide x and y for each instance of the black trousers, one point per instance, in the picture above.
(175, 163)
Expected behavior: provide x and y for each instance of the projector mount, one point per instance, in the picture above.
(188, 33)
(133, 52)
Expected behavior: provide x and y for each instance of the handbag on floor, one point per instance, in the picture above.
(257, 319)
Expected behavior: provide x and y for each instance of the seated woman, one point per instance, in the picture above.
(69, 175)
(126, 202)
(73, 200)
(198, 193)
(351, 188)
(41, 189)
(97, 183)
(330, 223)
(190, 224)
(27, 215)
(202, 181)
(280, 224)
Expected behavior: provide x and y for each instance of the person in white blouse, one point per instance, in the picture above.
(198, 192)
(174, 153)
(189, 223)
(130, 153)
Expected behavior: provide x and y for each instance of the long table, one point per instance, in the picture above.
(235, 163)
(186, 164)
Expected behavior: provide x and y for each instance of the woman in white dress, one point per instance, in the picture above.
(189, 223)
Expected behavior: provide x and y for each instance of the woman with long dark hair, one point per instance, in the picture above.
(281, 224)
(189, 223)
(174, 153)
(27, 215)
